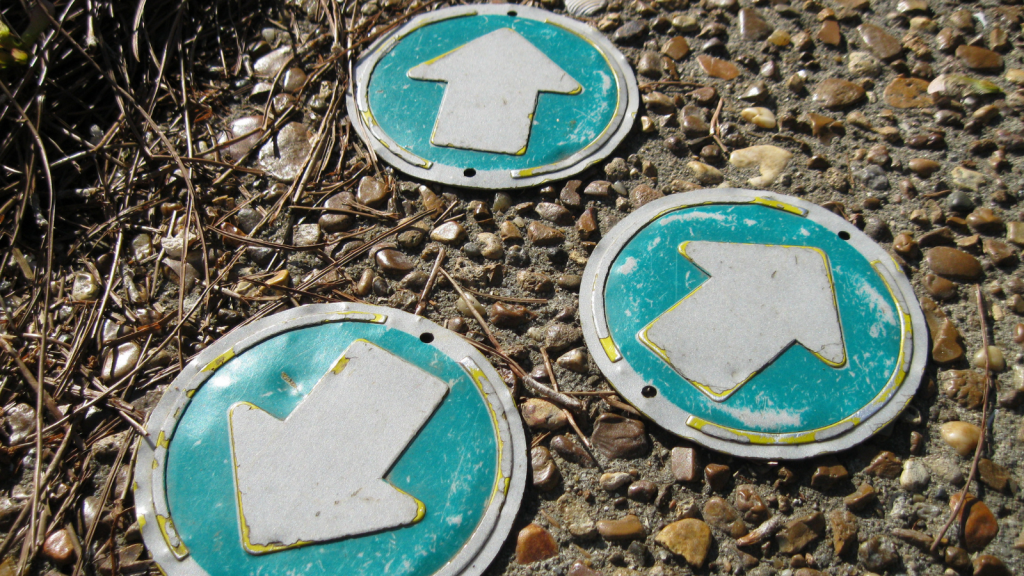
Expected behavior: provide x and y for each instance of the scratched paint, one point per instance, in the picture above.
(563, 124)
(451, 465)
(797, 391)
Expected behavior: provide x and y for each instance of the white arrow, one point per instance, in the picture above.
(493, 82)
(759, 300)
(318, 474)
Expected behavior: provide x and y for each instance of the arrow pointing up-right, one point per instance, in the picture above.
(759, 301)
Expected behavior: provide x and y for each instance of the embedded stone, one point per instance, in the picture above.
(980, 59)
(954, 264)
(879, 42)
(534, 544)
(689, 538)
(844, 530)
(978, 525)
(907, 93)
(798, 533)
(961, 436)
(542, 415)
(835, 93)
(718, 68)
(624, 529)
(619, 437)
(543, 235)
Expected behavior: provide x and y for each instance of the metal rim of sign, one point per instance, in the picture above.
(618, 128)
(643, 393)
(152, 512)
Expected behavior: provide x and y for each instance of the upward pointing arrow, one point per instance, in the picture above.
(493, 82)
(318, 474)
(759, 301)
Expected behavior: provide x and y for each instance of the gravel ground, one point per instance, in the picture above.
(910, 129)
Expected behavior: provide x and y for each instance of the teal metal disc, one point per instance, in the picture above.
(493, 96)
(332, 439)
(754, 323)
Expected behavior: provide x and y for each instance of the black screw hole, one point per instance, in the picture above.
(649, 391)
(844, 234)
(513, 13)
(426, 337)
(469, 172)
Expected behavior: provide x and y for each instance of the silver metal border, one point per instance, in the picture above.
(373, 135)
(475, 555)
(673, 418)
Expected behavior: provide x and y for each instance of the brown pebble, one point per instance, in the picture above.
(720, 514)
(999, 252)
(984, 220)
(904, 245)
(750, 503)
(505, 315)
(954, 264)
(371, 192)
(716, 476)
(567, 448)
(643, 194)
(394, 262)
(1018, 333)
(616, 436)
(907, 93)
(989, 565)
(718, 68)
(978, 525)
(825, 477)
(542, 415)
(534, 544)
(689, 538)
(829, 33)
(685, 464)
(554, 213)
(59, 547)
(993, 475)
(642, 491)
(980, 59)
(885, 465)
(798, 533)
(879, 42)
(923, 167)
(861, 498)
(543, 470)
(543, 235)
(844, 530)
(835, 93)
(963, 437)
(624, 529)
(753, 26)
(676, 48)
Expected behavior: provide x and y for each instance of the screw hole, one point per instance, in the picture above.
(844, 234)
(649, 391)
(513, 13)
(426, 337)
(469, 172)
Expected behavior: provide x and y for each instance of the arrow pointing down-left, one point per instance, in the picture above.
(318, 474)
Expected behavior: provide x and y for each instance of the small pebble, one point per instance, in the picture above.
(996, 363)
(961, 436)
(689, 538)
(624, 529)
(534, 544)
(542, 415)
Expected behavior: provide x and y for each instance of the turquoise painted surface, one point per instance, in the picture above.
(796, 392)
(563, 124)
(451, 465)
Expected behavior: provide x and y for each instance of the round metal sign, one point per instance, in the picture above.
(493, 96)
(332, 439)
(754, 323)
